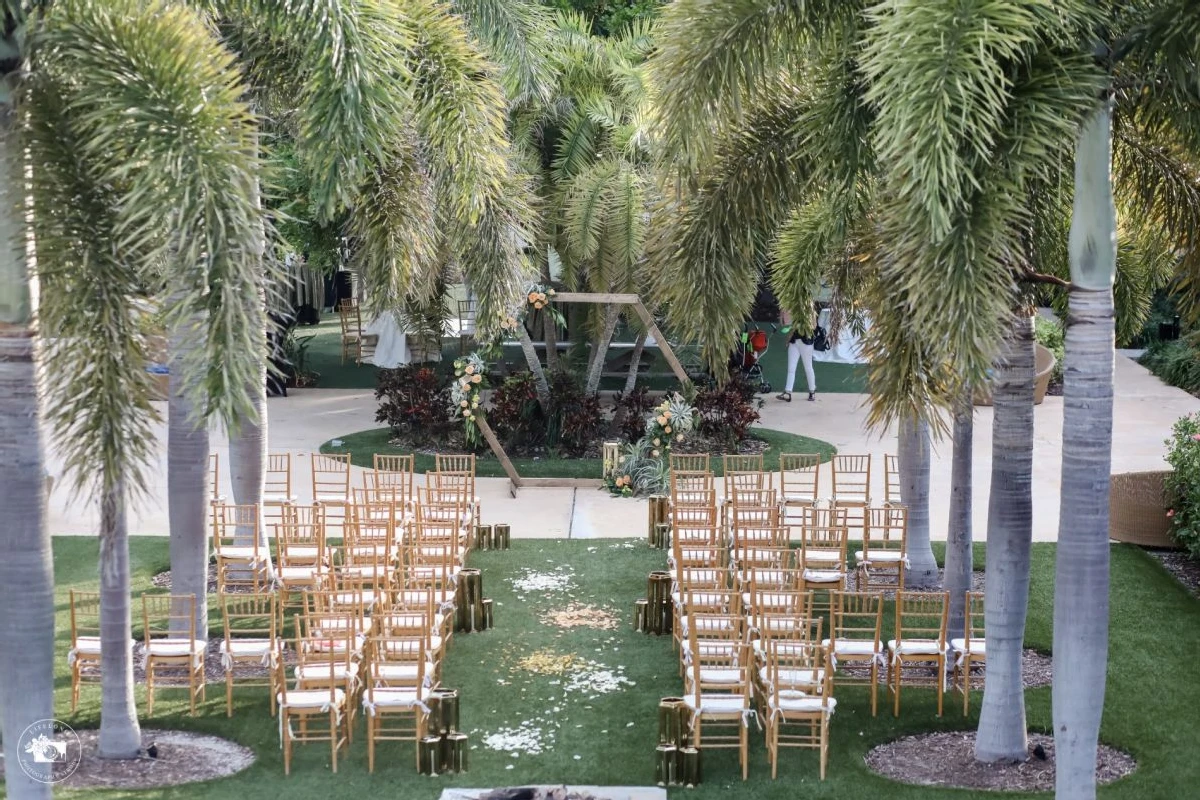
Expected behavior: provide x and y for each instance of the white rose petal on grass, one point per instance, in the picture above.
(525, 738)
(533, 581)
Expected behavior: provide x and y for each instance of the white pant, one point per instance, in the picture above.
(795, 351)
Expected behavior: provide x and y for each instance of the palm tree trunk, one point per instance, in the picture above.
(1002, 734)
(550, 337)
(959, 551)
(187, 483)
(120, 736)
(26, 572)
(1081, 564)
(535, 366)
(612, 315)
(914, 456)
(635, 361)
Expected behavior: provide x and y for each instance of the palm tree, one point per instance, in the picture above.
(142, 162)
(26, 572)
(396, 118)
(959, 529)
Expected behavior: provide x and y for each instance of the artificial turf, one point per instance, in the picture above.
(1150, 712)
(363, 445)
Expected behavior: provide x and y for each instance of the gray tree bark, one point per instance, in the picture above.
(120, 736)
(612, 314)
(1081, 573)
(959, 535)
(26, 570)
(535, 366)
(1002, 733)
(635, 360)
(914, 457)
(187, 482)
(550, 336)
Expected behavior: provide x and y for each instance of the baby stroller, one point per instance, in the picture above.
(752, 346)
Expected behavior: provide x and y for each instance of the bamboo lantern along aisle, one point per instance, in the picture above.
(443, 711)
(429, 755)
(483, 537)
(666, 757)
(612, 458)
(659, 616)
(641, 622)
(471, 611)
(676, 762)
(661, 538)
(492, 537)
(660, 508)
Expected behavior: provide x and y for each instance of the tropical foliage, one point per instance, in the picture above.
(1182, 484)
(470, 376)
(645, 466)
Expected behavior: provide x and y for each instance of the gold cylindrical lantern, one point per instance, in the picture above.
(443, 711)
(483, 537)
(501, 536)
(454, 752)
(673, 717)
(662, 536)
(660, 506)
(689, 766)
(612, 458)
(489, 614)
(640, 621)
(665, 756)
(429, 755)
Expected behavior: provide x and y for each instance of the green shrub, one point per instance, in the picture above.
(1176, 363)
(413, 401)
(726, 412)
(515, 414)
(1182, 485)
(1049, 334)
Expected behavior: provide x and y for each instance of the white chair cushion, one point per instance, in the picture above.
(823, 556)
(791, 678)
(717, 703)
(278, 497)
(399, 672)
(806, 499)
(89, 645)
(394, 698)
(882, 556)
(302, 552)
(332, 497)
(824, 575)
(238, 552)
(978, 646)
(788, 703)
(310, 698)
(176, 648)
(727, 675)
(315, 672)
(853, 647)
(916, 647)
(247, 648)
(299, 574)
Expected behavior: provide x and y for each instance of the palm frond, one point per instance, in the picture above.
(720, 57)
(586, 205)
(703, 246)
(145, 165)
(515, 33)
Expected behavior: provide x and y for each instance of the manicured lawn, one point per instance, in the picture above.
(363, 445)
(1153, 693)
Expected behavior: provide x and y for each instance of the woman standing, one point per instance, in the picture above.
(800, 347)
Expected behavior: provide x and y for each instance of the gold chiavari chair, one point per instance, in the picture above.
(331, 479)
(799, 480)
(891, 480)
(84, 655)
(242, 557)
(823, 554)
(277, 482)
(800, 697)
(309, 707)
(882, 562)
(683, 481)
(394, 700)
(971, 650)
(855, 640)
(852, 486)
(920, 641)
(728, 712)
(172, 646)
(251, 640)
(691, 462)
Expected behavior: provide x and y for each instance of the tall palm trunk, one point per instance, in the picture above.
(535, 366)
(26, 572)
(612, 314)
(1002, 734)
(914, 456)
(959, 551)
(187, 483)
(1081, 573)
(550, 337)
(120, 736)
(635, 360)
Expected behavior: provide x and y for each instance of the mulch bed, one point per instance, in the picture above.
(948, 759)
(1182, 567)
(182, 757)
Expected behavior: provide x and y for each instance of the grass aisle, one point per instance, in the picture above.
(1151, 702)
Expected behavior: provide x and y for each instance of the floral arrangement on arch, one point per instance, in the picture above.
(536, 297)
(1182, 485)
(469, 383)
(646, 465)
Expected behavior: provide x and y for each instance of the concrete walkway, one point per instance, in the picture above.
(1145, 410)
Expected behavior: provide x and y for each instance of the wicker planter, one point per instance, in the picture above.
(1137, 513)
(1043, 369)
